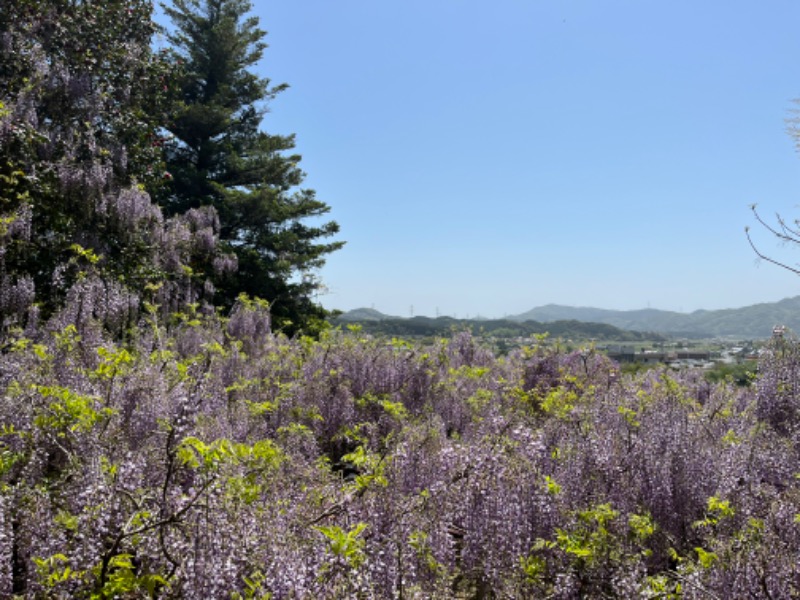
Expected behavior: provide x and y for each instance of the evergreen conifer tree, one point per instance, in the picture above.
(219, 156)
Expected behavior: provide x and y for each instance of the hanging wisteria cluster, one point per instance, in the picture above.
(212, 458)
(82, 96)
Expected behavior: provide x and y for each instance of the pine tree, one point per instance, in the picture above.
(219, 156)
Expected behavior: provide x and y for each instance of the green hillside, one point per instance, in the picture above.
(754, 321)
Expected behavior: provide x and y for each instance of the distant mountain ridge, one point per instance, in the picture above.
(755, 321)
(363, 314)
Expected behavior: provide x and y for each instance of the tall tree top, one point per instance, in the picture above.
(219, 155)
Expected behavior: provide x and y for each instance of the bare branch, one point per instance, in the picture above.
(767, 258)
(783, 232)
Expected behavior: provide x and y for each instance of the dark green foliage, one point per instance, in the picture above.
(218, 156)
(499, 328)
(742, 374)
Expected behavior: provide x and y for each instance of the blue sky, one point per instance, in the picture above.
(484, 158)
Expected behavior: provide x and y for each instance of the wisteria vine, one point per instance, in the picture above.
(212, 458)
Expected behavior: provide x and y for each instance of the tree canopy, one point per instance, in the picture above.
(83, 96)
(218, 155)
(131, 175)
